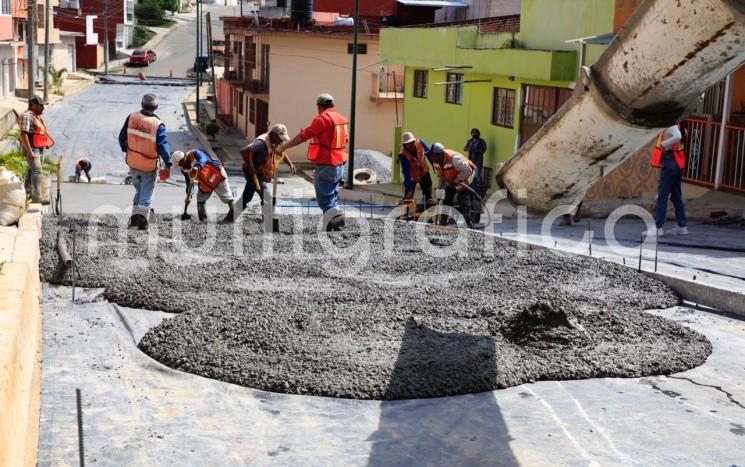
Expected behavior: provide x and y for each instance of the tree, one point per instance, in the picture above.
(149, 12)
(58, 77)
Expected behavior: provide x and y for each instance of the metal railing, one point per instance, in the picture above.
(388, 86)
(701, 151)
(733, 173)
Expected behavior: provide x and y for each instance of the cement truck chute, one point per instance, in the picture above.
(649, 78)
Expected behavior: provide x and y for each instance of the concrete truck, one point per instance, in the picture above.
(649, 78)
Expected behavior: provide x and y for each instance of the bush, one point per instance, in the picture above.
(149, 12)
(211, 129)
(15, 161)
(141, 36)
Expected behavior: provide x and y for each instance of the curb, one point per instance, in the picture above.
(20, 339)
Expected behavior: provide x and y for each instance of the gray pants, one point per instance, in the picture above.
(34, 174)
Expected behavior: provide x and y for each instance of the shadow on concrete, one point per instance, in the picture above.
(461, 430)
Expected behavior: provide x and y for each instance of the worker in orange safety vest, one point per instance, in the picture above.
(328, 152)
(209, 175)
(455, 173)
(34, 141)
(669, 156)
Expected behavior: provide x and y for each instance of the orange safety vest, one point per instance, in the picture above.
(266, 170)
(40, 138)
(329, 147)
(678, 151)
(208, 178)
(448, 172)
(418, 167)
(142, 147)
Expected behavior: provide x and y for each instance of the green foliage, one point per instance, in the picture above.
(15, 161)
(141, 36)
(171, 5)
(58, 78)
(211, 129)
(149, 12)
(513, 44)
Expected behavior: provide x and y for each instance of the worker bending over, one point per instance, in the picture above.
(83, 165)
(260, 162)
(414, 165)
(209, 175)
(327, 151)
(456, 173)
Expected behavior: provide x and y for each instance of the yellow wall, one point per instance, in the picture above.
(302, 67)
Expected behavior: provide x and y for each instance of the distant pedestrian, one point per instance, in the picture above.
(476, 147)
(144, 138)
(669, 156)
(259, 162)
(83, 165)
(414, 165)
(34, 141)
(327, 151)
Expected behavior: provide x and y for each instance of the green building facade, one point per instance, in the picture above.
(505, 74)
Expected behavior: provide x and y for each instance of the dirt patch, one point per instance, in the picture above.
(370, 315)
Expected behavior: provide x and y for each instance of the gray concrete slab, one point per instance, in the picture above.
(137, 412)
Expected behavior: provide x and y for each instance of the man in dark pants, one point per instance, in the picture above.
(476, 147)
(415, 168)
(83, 165)
(258, 162)
(669, 157)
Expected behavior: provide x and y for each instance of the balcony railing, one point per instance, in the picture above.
(701, 151)
(389, 86)
(733, 176)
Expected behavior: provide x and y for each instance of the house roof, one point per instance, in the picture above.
(510, 23)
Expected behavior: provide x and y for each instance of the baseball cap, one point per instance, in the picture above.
(325, 99)
(36, 100)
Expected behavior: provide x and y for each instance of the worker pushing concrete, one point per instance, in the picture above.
(455, 173)
(210, 176)
(260, 160)
(83, 165)
(144, 138)
(327, 151)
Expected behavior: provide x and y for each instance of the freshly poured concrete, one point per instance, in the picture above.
(138, 412)
(381, 323)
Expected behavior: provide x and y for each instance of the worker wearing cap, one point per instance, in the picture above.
(34, 141)
(327, 151)
(210, 176)
(144, 138)
(259, 161)
(454, 172)
(83, 165)
(413, 159)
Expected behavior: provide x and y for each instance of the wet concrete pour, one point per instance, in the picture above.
(406, 325)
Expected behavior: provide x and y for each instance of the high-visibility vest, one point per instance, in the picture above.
(40, 138)
(142, 147)
(329, 147)
(266, 170)
(208, 178)
(447, 170)
(678, 151)
(418, 166)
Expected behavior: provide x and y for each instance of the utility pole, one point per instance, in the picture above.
(207, 19)
(350, 166)
(30, 41)
(46, 50)
(105, 37)
(196, 60)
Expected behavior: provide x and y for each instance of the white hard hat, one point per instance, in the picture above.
(177, 156)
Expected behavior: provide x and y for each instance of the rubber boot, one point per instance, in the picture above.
(230, 216)
(201, 212)
(335, 224)
(36, 189)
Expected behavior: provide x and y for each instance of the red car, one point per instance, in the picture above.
(142, 57)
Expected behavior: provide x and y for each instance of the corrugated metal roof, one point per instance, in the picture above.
(434, 3)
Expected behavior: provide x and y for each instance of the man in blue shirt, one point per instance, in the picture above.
(476, 147)
(144, 138)
(210, 176)
(415, 167)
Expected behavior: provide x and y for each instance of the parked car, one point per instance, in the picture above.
(201, 63)
(218, 46)
(142, 57)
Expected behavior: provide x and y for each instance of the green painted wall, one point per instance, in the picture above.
(547, 24)
(450, 124)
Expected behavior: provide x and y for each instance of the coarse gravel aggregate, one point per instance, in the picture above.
(367, 314)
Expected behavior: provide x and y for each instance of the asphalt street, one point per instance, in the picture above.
(176, 52)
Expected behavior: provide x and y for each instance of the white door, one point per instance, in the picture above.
(70, 57)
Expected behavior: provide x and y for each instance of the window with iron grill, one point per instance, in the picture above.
(420, 83)
(503, 108)
(252, 110)
(454, 91)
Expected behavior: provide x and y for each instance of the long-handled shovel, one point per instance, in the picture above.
(186, 216)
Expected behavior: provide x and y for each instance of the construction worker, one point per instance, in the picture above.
(259, 161)
(327, 151)
(455, 173)
(413, 159)
(83, 165)
(669, 156)
(143, 138)
(34, 141)
(210, 176)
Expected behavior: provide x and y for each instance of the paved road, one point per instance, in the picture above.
(177, 50)
(87, 124)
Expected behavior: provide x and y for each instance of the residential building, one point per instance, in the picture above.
(71, 17)
(475, 9)
(275, 70)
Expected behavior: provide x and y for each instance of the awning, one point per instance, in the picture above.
(434, 3)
